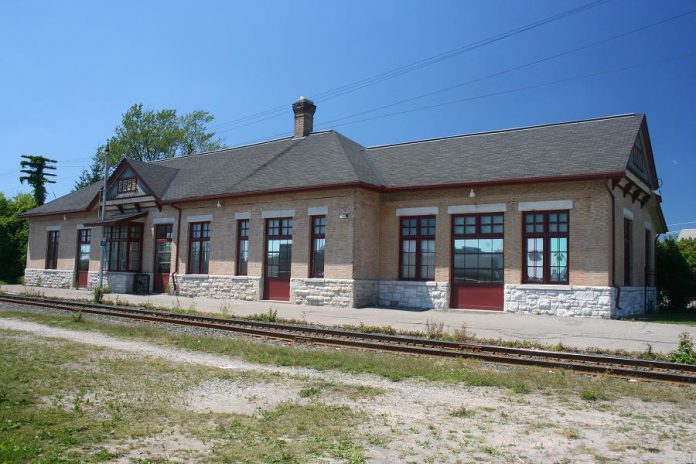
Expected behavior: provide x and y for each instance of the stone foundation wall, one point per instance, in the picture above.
(571, 300)
(117, 282)
(50, 278)
(322, 292)
(425, 295)
(559, 300)
(632, 302)
(218, 286)
(366, 293)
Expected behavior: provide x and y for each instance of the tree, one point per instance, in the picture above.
(15, 234)
(35, 167)
(676, 271)
(148, 135)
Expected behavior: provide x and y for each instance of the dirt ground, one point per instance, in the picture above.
(417, 421)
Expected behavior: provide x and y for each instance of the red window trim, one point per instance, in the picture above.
(84, 237)
(241, 239)
(312, 237)
(418, 238)
(546, 235)
(128, 240)
(475, 235)
(52, 249)
(628, 251)
(189, 263)
(127, 185)
(169, 229)
(280, 236)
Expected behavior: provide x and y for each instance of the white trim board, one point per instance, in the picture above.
(242, 215)
(163, 220)
(482, 208)
(544, 205)
(52, 228)
(278, 213)
(318, 211)
(200, 218)
(422, 211)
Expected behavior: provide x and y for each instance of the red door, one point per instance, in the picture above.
(163, 257)
(84, 239)
(278, 259)
(477, 261)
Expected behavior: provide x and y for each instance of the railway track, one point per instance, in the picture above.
(581, 362)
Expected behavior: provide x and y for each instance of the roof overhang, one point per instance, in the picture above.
(119, 219)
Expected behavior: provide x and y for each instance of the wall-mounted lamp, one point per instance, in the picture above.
(65, 218)
(344, 214)
(472, 194)
(219, 204)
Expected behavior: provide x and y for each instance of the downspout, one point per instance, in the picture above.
(176, 263)
(613, 246)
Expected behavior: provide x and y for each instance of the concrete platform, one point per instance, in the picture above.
(571, 331)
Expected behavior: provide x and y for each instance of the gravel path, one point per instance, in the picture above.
(413, 420)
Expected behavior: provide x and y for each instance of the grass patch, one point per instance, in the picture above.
(84, 405)
(393, 367)
(462, 412)
(309, 392)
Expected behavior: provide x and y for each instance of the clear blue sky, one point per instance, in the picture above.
(70, 69)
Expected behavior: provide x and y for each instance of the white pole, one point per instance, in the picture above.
(102, 242)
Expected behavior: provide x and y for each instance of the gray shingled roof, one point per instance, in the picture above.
(156, 176)
(75, 201)
(567, 149)
(597, 146)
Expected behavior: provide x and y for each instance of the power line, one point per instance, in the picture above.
(395, 72)
(518, 89)
(681, 223)
(514, 68)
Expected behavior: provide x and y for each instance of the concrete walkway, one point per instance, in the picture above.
(571, 331)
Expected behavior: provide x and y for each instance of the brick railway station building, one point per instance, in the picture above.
(554, 219)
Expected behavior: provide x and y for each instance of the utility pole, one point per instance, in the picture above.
(34, 167)
(102, 242)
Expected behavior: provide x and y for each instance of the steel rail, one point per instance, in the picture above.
(582, 362)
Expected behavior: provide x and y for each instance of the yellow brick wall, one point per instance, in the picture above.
(589, 226)
(339, 233)
(367, 233)
(67, 241)
(644, 218)
(365, 245)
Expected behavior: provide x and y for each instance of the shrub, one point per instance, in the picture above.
(270, 316)
(685, 351)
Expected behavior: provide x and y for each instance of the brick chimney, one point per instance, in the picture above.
(304, 116)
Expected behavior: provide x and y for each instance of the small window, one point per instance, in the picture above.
(545, 242)
(242, 247)
(417, 248)
(318, 246)
(127, 185)
(199, 247)
(52, 250)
